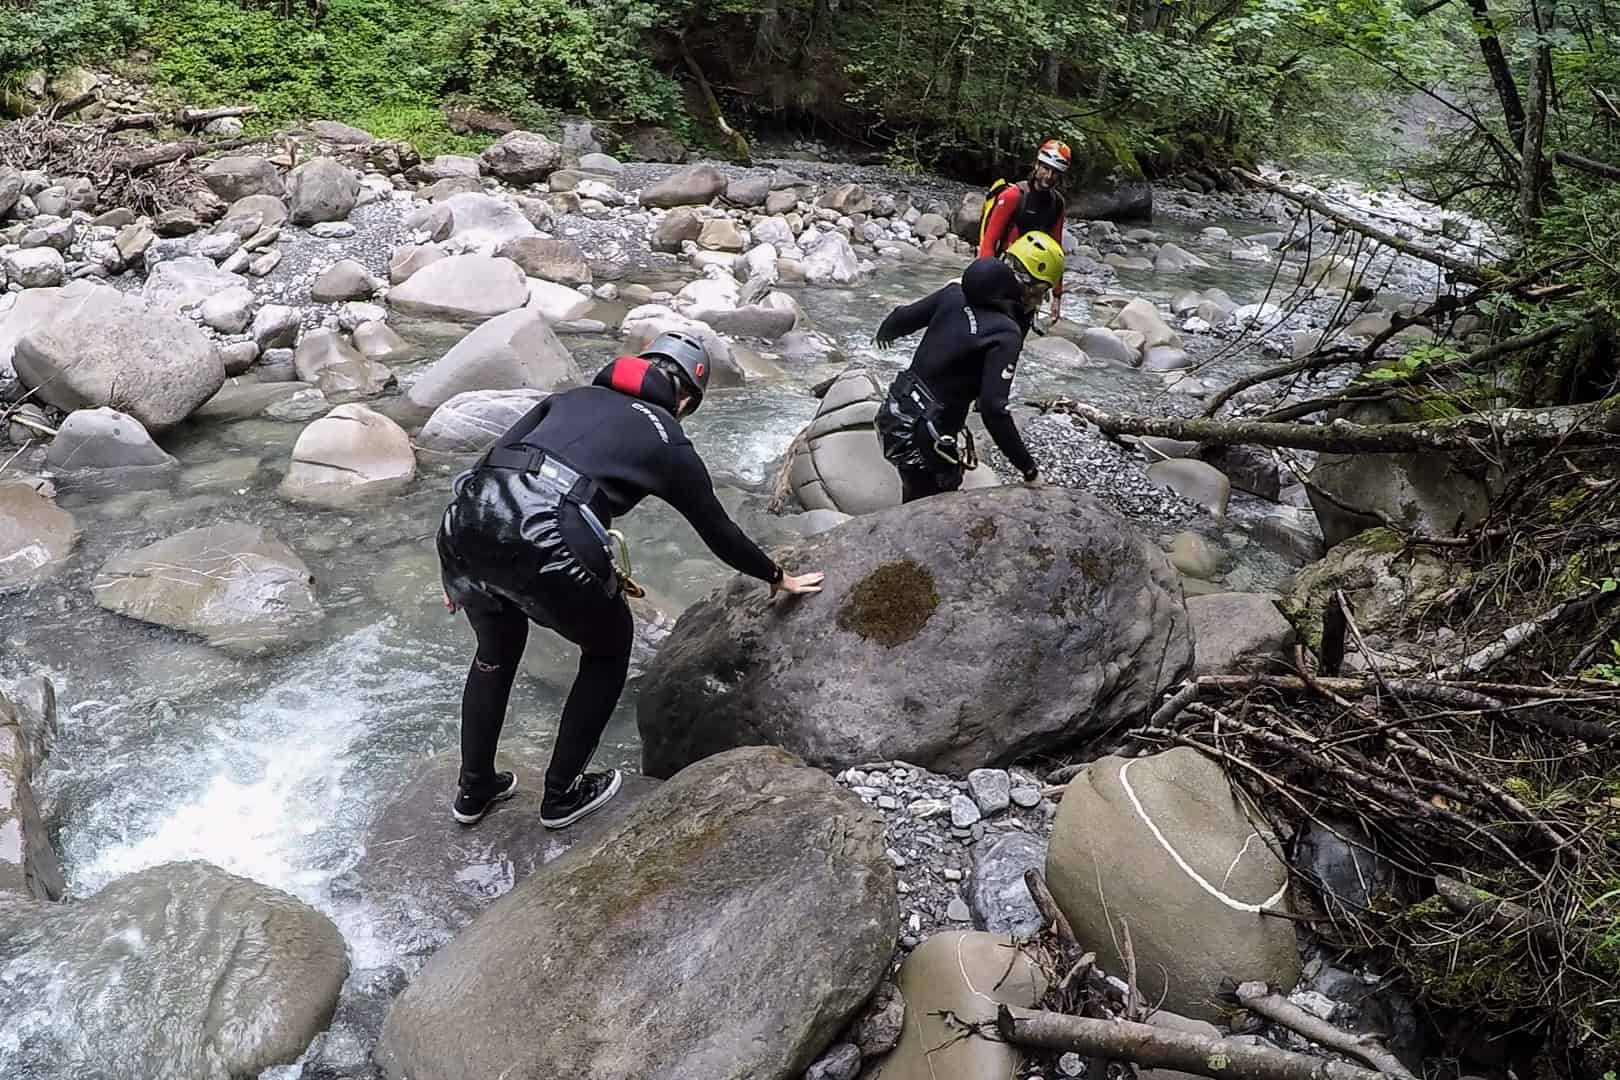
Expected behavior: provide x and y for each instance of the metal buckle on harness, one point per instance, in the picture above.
(622, 568)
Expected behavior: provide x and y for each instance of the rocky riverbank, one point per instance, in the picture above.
(284, 370)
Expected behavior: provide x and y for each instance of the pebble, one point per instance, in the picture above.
(888, 802)
(957, 911)
(896, 858)
(964, 811)
(952, 874)
(991, 789)
(928, 808)
(865, 791)
(1317, 1004)
(1026, 797)
(333, 230)
(1071, 1065)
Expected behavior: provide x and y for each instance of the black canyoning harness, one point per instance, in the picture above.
(909, 423)
(554, 479)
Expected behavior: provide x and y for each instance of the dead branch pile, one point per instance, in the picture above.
(146, 177)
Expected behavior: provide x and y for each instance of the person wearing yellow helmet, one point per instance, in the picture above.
(973, 332)
(1037, 261)
(1033, 205)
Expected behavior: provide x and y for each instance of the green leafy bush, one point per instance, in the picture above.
(47, 35)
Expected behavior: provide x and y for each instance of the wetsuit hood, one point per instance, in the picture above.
(991, 283)
(639, 378)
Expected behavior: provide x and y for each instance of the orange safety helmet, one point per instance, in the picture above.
(1055, 153)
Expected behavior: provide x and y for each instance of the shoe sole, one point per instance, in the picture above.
(473, 819)
(589, 808)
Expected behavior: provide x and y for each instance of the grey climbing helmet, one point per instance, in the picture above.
(688, 358)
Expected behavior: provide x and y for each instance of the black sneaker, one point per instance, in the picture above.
(470, 807)
(588, 794)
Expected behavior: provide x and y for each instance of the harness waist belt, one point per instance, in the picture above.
(568, 482)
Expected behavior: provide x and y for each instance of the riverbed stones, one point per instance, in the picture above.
(237, 177)
(462, 288)
(1238, 632)
(833, 262)
(691, 186)
(470, 422)
(322, 189)
(376, 340)
(36, 536)
(748, 191)
(346, 279)
(424, 877)
(642, 324)
(443, 167)
(515, 351)
(34, 268)
(104, 438)
(327, 360)
(410, 258)
(720, 234)
(482, 223)
(350, 454)
(1195, 480)
(184, 282)
(996, 893)
(521, 157)
(28, 865)
(237, 586)
(548, 259)
(1141, 316)
(230, 311)
(690, 907)
(1165, 838)
(102, 346)
(181, 971)
(557, 303)
(677, 227)
(960, 976)
(1029, 589)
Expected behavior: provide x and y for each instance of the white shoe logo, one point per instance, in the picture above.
(1007, 372)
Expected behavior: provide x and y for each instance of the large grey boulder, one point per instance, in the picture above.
(642, 324)
(235, 585)
(31, 308)
(1027, 590)
(833, 262)
(691, 186)
(34, 268)
(444, 167)
(181, 971)
(1238, 632)
(1165, 839)
(960, 977)
(515, 351)
(348, 455)
(36, 536)
(423, 877)
(104, 439)
(233, 178)
(677, 227)
(103, 347)
(1384, 578)
(747, 903)
(462, 288)
(410, 258)
(521, 157)
(848, 199)
(470, 422)
(996, 894)
(346, 279)
(557, 303)
(322, 189)
(1141, 316)
(837, 463)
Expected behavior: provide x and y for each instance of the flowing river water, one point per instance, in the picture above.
(272, 768)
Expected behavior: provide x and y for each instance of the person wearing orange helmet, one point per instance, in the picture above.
(1033, 205)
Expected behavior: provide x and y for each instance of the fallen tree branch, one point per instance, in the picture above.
(140, 160)
(1510, 640)
(1035, 882)
(739, 143)
(1505, 915)
(192, 117)
(1588, 165)
(32, 425)
(1258, 999)
(133, 120)
(1165, 1048)
(1463, 271)
(1564, 425)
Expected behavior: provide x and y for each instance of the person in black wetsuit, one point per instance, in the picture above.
(975, 332)
(525, 538)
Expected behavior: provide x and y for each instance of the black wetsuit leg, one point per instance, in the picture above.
(603, 629)
(502, 631)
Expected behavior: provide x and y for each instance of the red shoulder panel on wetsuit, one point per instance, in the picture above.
(628, 373)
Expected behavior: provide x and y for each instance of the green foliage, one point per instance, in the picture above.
(1608, 671)
(47, 35)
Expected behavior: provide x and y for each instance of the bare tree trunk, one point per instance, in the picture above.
(1507, 91)
(1570, 425)
(1156, 1047)
(1532, 167)
(765, 32)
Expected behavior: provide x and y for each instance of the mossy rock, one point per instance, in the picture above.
(1385, 581)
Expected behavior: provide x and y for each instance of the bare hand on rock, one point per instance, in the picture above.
(799, 584)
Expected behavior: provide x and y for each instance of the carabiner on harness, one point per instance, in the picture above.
(622, 569)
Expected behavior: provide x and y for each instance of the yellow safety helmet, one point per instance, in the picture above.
(1040, 257)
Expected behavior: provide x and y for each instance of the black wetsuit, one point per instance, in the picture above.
(975, 331)
(511, 550)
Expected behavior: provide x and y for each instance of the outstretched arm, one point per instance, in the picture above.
(690, 491)
(907, 319)
(999, 366)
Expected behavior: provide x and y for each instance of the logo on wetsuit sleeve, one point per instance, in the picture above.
(973, 320)
(649, 414)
